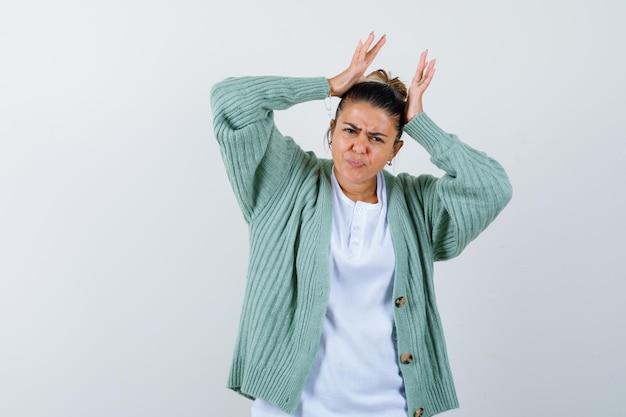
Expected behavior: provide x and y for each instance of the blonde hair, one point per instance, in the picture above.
(385, 77)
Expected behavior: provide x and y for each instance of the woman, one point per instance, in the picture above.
(339, 316)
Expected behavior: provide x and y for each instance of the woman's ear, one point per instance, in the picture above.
(396, 148)
(329, 134)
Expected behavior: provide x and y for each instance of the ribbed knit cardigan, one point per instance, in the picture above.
(286, 199)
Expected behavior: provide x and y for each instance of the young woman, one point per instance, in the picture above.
(339, 316)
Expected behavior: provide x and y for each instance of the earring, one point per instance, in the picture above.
(389, 162)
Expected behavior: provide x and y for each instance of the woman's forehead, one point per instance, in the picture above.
(367, 117)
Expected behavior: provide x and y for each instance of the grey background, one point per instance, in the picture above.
(123, 252)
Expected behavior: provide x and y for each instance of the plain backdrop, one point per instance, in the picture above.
(123, 252)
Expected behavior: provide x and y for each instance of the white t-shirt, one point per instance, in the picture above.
(356, 371)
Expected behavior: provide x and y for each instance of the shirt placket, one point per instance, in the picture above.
(357, 230)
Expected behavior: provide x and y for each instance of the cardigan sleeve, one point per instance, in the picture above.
(256, 155)
(467, 198)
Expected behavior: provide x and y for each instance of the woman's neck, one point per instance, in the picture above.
(365, 192)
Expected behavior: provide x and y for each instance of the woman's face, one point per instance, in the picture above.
(363, 140)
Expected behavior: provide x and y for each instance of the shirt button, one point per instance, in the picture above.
(400, 301)
(419, 412)
(406, 358)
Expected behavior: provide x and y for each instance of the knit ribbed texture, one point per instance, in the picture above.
(285, 197)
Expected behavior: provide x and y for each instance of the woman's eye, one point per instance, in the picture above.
(348, 130)
(376, 139)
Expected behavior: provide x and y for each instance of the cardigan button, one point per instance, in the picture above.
(419, 412)
(400, 301)
(406, 358)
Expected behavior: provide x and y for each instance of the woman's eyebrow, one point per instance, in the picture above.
(358, 129)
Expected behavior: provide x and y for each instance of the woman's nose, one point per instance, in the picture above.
(360, 143)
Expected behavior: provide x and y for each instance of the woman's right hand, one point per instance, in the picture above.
(361, 60)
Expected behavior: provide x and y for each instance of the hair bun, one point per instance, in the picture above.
(385, 77)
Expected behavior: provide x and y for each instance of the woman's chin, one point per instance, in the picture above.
(355, 177)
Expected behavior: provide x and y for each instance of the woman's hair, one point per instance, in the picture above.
(379, 90)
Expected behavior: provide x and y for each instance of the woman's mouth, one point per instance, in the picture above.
(356, 163)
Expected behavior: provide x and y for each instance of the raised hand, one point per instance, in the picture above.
(363, 57)
(421, 80)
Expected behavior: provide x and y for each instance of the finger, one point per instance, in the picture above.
(368, 41)
(428, 78)
(419, 72)
(357, 51)
(363, 51)
(371, 54)
(422, 61)
(431, 67)
(418, 75)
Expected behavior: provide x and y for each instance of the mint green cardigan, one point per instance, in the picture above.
(285, 197)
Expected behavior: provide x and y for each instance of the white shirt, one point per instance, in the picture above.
(356, 371)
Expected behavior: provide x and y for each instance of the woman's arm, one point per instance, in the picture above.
(475, 187)
(256, 155)
(463, 202)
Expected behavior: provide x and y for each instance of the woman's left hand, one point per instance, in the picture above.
(419, 84)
